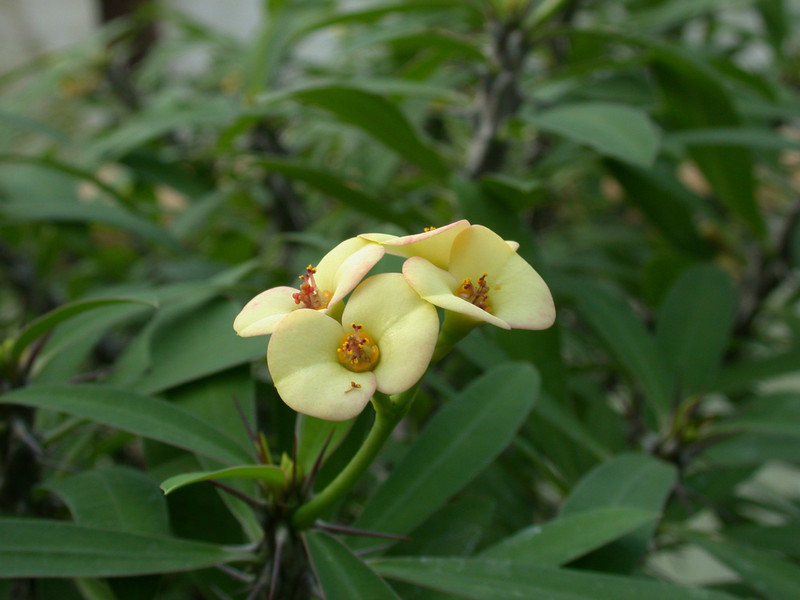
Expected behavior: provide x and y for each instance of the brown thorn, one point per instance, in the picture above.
(331, 528)
(247, 498)
(317, 464)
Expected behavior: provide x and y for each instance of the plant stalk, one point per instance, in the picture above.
(385, 422)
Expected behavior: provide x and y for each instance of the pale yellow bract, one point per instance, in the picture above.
(302, 353)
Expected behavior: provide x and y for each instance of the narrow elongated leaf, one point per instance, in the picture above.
(617, 130)
(632, 480)
(341, 573)
(117, 498)
(695, 99)
(194, 344)
(767, 573)
(561, 540)
(454, 530)
(159, 120)
(623, 333)
(734, 136)
(746, 374)
(41, 548)
(782, 538)
(377, 117)
(752, 449)
(128, 411)
(558, 417)
(479, 579)
(271, 475)
(670, 14)
(694, 325)
(457, 444)
(418, 37)
(378, 10)
(776, 414)
(36, 329)
(79, 212)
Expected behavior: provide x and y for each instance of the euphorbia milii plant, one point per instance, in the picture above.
(330, 363)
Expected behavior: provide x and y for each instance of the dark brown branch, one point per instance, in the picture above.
(499, 97)
(769, 271)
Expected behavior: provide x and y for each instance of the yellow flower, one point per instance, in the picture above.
(330, 370)
(485, 280)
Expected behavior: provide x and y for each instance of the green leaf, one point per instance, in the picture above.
(313, 435)
(161, 118)
(85, 212)
(341, 573)
(745, 374)
(196, 343)
(632, 480)
(454, 530)
(558, 417)
(41, 548)
(561, 540)
(37, 328)
(765, 572)
(128, 411)
(695, 99)
(733, 136)
(776, 414)
(753, 449)
(376, 11)
(418, 37)
(456, 445)
(694, 325)
(377, 117)
(782, 538)
(616, 130)
(117, 498)
(626, 338)
(668, 206)
(670, 14)
(271, 475)
(478, 579)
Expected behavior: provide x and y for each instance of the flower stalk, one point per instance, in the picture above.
(387, 416)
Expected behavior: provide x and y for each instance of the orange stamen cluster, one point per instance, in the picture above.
(357, 351)
(310, 296)
(477, 295)
(427, 229)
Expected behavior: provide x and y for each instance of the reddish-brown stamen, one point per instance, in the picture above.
(477, 295)
(310, 296)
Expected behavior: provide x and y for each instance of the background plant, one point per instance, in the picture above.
(643, 153)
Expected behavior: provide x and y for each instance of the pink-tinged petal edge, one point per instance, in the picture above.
(433, 245)
(352, 271)
(437, 286)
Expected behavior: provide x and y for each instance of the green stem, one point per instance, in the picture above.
(385, 422)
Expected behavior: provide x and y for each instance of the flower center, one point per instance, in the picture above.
(357, 351)
(475, 294)
(310, 296)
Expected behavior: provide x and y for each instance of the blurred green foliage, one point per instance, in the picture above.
(645, 154)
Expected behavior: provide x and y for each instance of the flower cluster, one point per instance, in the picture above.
(328, 358)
